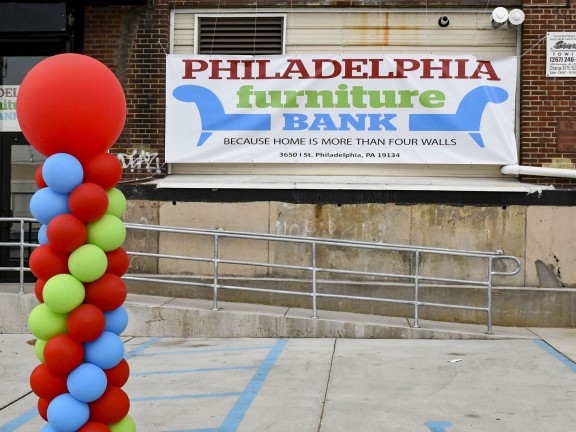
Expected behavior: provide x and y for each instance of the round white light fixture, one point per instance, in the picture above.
(499, 17)
(515, 18)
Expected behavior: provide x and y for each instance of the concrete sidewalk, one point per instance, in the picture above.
(442, 377)
(328, 385)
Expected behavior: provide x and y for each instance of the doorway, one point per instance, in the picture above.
(29, 33)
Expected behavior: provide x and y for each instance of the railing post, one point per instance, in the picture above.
(22, 256)
(416, 288)
(215, 296)
(489, 311)
(314, 292)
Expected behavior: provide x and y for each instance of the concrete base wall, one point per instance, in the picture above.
(511, 306)
(539, 236)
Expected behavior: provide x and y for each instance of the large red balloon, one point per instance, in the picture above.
(66, 233)
(86, 323)
(88, 202)
(107, 293)
(63, 354)
(43, 408)
(104, 169)
(93, 426)
(119, 374)
(71, 103)
(45, 262)
(111, 407)
(38, 289)
(118, 262)
(46, 383)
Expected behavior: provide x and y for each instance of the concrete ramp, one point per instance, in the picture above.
(155, 316)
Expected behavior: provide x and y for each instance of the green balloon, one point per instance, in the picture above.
(108, 233)
(63, 293)
(124, 425)
(87, 263)
(116, 202)
(39, 349)
(44, 323)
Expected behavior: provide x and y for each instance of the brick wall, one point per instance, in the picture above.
(545, 100)
(131, 41)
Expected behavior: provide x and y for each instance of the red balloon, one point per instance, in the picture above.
(88, 202)
(63, 354)
(38, 289)
(66, 233)
(38, 177)
(86, 323)
(118, 262)
(119, 374)
(90, 112)
(45, 262)
(46, 383)
(107, 293)
(43, 408)
(93, 426)
(111, 407)
(104, 169)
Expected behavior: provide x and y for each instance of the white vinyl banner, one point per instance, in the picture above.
(403, 108)
(8, 120)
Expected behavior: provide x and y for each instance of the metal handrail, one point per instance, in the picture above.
(415, 278)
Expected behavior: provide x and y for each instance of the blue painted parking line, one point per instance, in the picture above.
(232, 421)
(185, 371)
(19, 421)
(236, 414)
(556, 354)
(33, 413)
(438, 426)
(138, 350)
(210, 350)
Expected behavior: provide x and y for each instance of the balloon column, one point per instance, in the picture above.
(71, 108)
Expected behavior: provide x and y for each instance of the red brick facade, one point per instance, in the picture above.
(545, 101)
(132, 41)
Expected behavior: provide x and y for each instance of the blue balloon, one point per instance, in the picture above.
(62, 172)
(87, 382)
(67, 414)
(105, 352)
(48, 428)
(42, 237)
(46, 204)
(116, 320)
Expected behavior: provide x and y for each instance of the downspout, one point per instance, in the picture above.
(537, 171)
